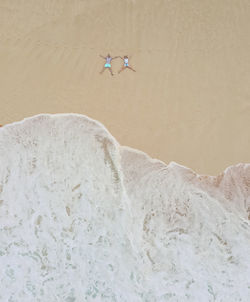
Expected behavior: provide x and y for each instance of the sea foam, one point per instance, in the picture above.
(85, 219)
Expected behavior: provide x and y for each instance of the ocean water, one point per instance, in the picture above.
(83, 218)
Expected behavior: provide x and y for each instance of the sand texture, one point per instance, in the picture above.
(189, 100)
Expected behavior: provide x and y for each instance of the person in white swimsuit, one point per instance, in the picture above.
(125, 64)
(108, 63)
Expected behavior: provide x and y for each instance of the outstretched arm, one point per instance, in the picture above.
(102, 57)
(115, 57)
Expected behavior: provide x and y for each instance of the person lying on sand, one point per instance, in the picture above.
(125, 64)
(108, 63)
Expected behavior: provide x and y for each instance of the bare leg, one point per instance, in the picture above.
(110, 69)
(102, 70)
(123, 67)
(131, 68)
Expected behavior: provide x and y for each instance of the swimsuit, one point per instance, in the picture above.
(126, 62)
(108, 61)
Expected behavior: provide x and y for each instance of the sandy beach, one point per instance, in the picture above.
(189, 100)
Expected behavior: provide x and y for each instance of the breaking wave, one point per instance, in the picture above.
(85, 219)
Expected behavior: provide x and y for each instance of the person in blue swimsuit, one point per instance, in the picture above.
(125, 64)
(108, 63)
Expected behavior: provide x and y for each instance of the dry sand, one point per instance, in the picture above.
(189, 100)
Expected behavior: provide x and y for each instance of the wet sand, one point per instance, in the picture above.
(189, 100)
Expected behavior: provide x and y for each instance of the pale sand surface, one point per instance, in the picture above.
(189, 100)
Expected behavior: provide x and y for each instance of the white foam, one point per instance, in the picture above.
(85, 219)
